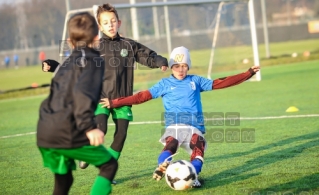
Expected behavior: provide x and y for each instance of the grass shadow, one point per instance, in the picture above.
(305, 185)
(235, 174)
(266, 147)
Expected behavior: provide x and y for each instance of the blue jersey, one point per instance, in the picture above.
(182, 100)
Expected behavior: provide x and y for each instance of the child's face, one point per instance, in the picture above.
(109, 24)
(180, 71)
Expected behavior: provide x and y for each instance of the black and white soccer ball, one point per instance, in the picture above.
(180, 175)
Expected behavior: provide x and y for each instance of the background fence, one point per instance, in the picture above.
(193, 26)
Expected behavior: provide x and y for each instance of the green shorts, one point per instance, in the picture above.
(60, 161)
(124, 112)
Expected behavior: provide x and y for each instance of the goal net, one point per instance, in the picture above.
(219, 34)
(231, 38)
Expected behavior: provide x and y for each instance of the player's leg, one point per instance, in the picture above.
(197, 145)
(101, 121)
(102, 183)
(194, 144)
(170, 148)
(101, 118)
(61, 166)
(171, 139)
(102, 159)
(62, 183)
(121, 127)
(121, 117)
(171, 145)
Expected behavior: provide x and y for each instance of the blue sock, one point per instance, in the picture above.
(165, 154)
(198, 165)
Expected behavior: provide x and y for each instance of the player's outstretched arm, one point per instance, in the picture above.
(49, 65)
(138, 98)
(235, 79)
(149, 58)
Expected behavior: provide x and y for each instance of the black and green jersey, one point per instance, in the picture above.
(120, 54)
(68, 113)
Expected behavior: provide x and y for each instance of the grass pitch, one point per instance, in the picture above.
(281, 158)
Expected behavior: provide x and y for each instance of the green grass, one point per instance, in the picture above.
(225, 59)
(282, 158)
(23, 77)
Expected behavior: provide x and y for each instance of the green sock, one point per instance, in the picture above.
(101, 186)
(114, 153)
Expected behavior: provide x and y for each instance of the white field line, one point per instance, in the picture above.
(158, 122)
(17, 135)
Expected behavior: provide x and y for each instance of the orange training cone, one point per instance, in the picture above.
(34, 85)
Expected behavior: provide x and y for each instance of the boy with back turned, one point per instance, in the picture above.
(119, 54)
(66, 128)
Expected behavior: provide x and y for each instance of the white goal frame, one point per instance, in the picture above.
(164, 4)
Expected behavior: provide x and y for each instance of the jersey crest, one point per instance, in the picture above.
(193, 86)
(124, 52)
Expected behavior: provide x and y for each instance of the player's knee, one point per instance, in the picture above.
(171, 144)
(108, 169)
(198, 142)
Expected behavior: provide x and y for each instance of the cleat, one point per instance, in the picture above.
(196, 184)
(83, 165)
(114, 182)
(159, 172)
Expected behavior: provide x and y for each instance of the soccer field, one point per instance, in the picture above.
(282, 156)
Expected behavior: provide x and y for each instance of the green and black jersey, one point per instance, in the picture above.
(120, 54)
(68, 113)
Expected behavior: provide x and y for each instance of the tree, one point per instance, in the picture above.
(8, 27)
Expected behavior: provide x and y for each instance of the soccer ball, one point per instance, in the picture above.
(180, 175)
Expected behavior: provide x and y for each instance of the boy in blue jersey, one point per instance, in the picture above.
(183, 109)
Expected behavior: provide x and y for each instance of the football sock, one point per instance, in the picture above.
(197, 164)
(101, 186)
(114, 153)
(165, 154)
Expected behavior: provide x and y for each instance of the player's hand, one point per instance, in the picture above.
(96, 137)
(45, 67)
(255, 68)
(164, 68)
(49, 65)
(105, 102)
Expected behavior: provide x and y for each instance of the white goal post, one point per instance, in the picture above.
(166, 4)
(253, 37)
